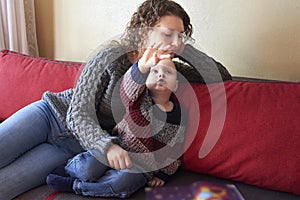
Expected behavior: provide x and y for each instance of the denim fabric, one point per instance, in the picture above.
(94, 178)
(86, 167)
(30, 149)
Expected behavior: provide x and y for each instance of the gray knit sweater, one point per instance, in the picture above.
(88, 111)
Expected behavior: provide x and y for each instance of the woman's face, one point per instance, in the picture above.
(170, 32)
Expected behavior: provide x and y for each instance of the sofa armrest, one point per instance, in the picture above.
(24, 78)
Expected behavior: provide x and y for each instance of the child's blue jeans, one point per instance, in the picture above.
(94, 178)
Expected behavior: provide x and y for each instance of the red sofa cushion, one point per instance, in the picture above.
(251, 131)
(23, 79)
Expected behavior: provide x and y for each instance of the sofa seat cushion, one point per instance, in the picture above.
(23, 79)
(245, 131)
(181, 178)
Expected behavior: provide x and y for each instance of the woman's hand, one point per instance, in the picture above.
(156, 182)
(118, 158)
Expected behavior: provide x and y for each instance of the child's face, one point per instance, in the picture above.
(163, 77)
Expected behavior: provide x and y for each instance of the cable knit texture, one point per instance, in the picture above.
(86, 111)
(205, 69)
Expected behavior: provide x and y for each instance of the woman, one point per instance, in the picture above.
(154, 140)
(45, 134)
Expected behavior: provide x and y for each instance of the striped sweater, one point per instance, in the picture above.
(90, 110)
(153, 138)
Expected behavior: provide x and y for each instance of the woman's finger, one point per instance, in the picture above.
(128, 162)
(111, 163)
(164, 56)
(157, 46)
(124, 162)
(121, 164)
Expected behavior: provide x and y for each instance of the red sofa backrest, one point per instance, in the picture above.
(23, 79)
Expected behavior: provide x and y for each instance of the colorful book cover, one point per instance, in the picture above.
(200, 190)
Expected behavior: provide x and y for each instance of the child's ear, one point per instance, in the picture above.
(176, 86)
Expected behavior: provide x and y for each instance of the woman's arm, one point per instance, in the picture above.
(204, 68)
(94, 83)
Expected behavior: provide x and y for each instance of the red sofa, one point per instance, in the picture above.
(244, 131)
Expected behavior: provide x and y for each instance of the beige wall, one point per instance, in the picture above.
(45, 27)
(252, 38)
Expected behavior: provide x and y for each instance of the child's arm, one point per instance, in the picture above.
(133, 85)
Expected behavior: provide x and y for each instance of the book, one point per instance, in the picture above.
(200, 190)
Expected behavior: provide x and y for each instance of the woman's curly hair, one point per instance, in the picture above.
(146, 16)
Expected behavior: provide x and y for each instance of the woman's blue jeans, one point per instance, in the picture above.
(95, 178)
(33, 143)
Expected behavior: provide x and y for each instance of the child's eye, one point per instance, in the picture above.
(169, 72)
(154, 71)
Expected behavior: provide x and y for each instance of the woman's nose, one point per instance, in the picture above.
(176, 41)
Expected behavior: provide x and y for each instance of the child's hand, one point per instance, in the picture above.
(152, 56)
(118, 158)
(156, 182)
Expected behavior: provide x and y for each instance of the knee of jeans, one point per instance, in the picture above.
(84, 167)
(80, 174)
(74, 167)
